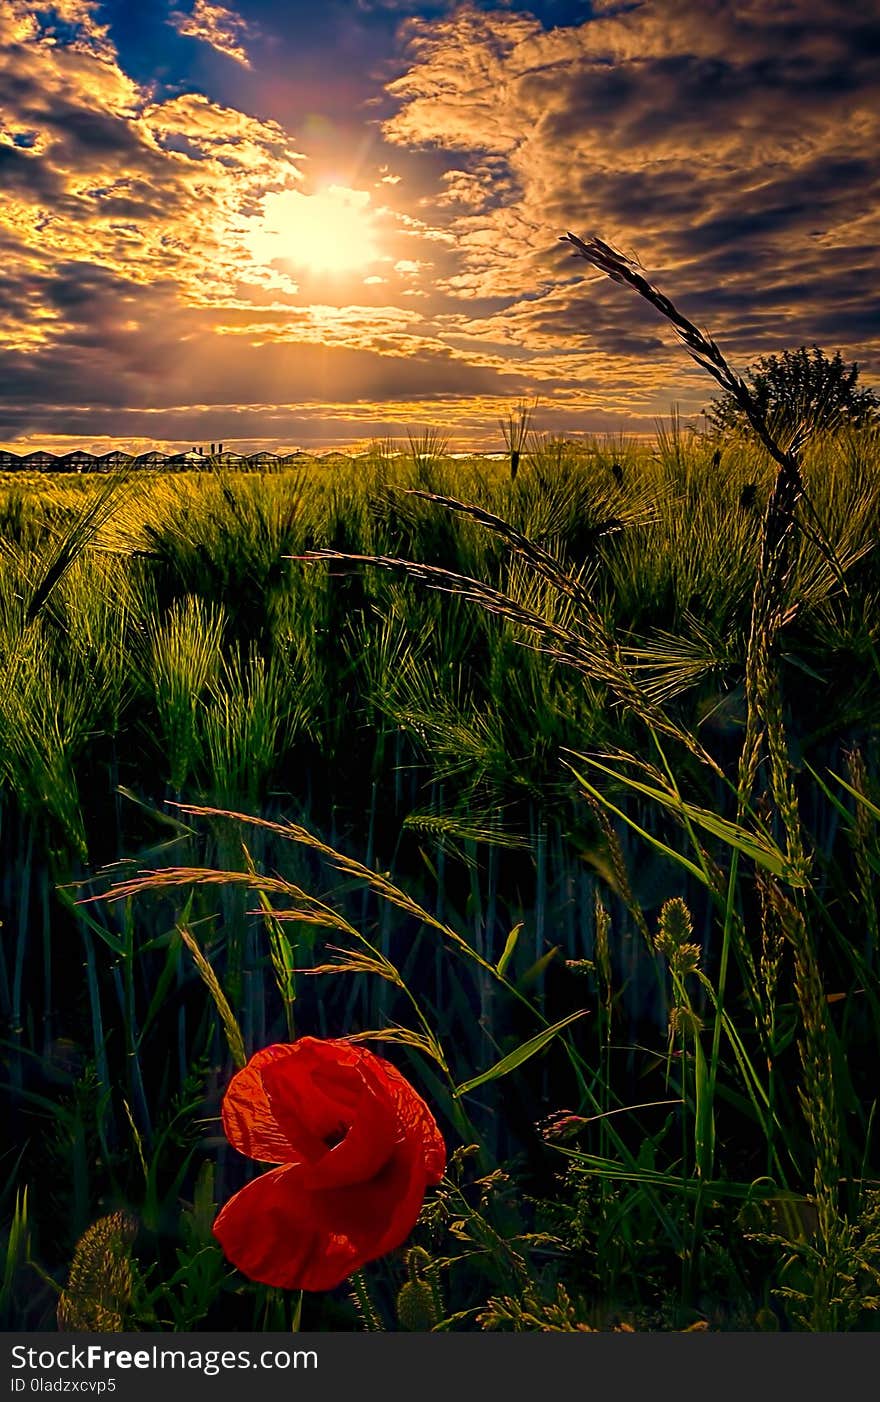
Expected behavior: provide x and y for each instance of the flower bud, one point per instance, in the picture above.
(415, 1306)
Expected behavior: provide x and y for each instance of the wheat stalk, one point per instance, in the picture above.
(774, 573)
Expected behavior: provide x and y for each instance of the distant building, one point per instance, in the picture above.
(197, 459)
(77, 461)
(39, 462)
(187, 461)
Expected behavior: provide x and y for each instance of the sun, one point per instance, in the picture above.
(332, 231)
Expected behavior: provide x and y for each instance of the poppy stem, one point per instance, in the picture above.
(296, 1319)
(370, 1316)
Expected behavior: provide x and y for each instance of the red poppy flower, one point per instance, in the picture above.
(357, 1148)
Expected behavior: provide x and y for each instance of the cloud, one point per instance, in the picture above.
(733, 148)
(184, 269)
(149, 191)
(71, 22)
(147, 381)
(132, 287)
(223, 29)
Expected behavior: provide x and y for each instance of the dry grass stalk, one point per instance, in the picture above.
(604, 973)
(770, 966)
(621, 874)
(861, 833)
(771, 589)
(221, 1002)
(817, 1092)
(703, 348)
(596, 657)
(515, 428)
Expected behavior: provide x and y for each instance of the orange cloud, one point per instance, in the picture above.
(165, 261)
(223, 29)
(732, 147)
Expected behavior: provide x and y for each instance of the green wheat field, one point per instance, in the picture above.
(565, 800)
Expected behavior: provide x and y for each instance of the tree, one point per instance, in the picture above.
(801, 390)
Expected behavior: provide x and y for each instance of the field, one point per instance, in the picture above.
(566, 803)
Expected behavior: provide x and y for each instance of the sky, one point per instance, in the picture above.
(276, 224)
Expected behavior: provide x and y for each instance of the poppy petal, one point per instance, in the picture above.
(358, 1147)
(278, 1231)
(349, 1114)
(268, 1231)
(391, 1202)
(315, 1091)
(249, 1122)
(416, 1120)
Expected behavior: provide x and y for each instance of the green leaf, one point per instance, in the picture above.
(758, 846)
(858, 796)
(534, 972)
(163, 984)
(654, 841)
(704, 1118)
(507, 951)
(113, 941)
(522, 1053)
(759, 1189)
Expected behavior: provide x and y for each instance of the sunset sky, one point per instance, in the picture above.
(279, 224)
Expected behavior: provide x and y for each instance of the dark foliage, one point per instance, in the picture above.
(802, 389)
